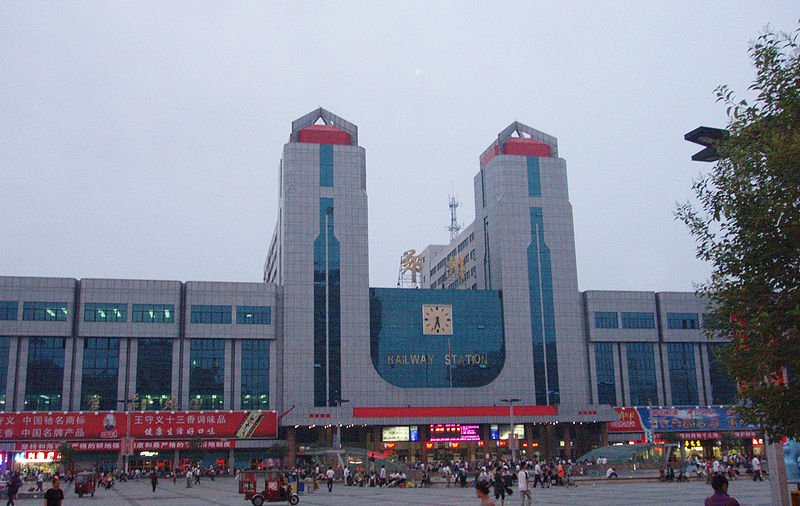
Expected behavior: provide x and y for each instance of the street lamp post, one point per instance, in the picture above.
(337, 438)
(127, 446)
(512, 437)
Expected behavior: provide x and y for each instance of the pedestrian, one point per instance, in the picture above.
(537, 475)
(482, 491)
(54, 494)
(40, 482)
(499, 487)
(720, 498)
(154, 480)
(174, 477)
(14, 485)
(756, 469)
(382, 481)
(524, 490)
(197, 475)
(188, 478)
(329, 476)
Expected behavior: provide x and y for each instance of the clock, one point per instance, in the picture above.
(437, 320)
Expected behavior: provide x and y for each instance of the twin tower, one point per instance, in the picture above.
(508, 324)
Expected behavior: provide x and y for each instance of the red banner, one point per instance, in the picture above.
(61, 426)
(81, 446)
(629, 421)
(72, 426)
(204, 424)
(181, 445)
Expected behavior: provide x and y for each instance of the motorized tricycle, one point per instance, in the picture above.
(85, 483)
(276, 488)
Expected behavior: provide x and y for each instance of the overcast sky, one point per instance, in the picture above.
(142, 139)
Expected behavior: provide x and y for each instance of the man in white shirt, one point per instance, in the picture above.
(715, 466)
(524, 491)
(756, 469)
(537, 475)
(329, 475)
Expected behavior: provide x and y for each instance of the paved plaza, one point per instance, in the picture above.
(223, 491)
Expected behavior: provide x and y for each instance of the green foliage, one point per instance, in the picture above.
(66, 456)
(748, 227)
(195, 452)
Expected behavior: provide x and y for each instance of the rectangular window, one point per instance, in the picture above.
(154, 373)
(8, 309)
(255, 374)
(605, 320)
(606, 382)
(253, 315)
(153, 313)
(5, 343)
(642, 374)
(638, 321)
(44, 311)
(207, 374)
(723, 386)
(682, 377)
(682, 321)
(45, 376)
(100, 373)
(105, 312)
(211, 314)
(326, 165)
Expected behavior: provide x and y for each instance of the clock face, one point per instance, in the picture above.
(437, 320)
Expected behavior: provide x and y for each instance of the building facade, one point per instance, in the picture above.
(497, 334)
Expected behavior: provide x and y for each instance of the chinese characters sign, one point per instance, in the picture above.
(72, 426)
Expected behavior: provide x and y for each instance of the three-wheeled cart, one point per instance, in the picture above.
(85, 483)
(276, 487)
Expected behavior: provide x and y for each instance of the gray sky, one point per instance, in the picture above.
(142, 140)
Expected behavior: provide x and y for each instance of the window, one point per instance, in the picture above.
(100, 373)
(44, 311)
(153, 313)
(606, 381)
(682, 321)
(638, 321)
(207, 374)
(8, 309)
(253, 315)
(4, 346)
(642, 374)
(45, 376)
(105, 312)
(154, 373)
(682, 377)
(255, 374)
(723, 386)
(326, 165)
(211, 314)
(605, 320)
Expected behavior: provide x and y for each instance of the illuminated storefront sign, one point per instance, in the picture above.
(454, 433)
(501, 432)
(401, 433)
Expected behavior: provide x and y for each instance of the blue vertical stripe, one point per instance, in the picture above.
(326, 165)
(534, 182)
(327, 310)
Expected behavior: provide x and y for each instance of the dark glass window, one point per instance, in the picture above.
(45, 376)
(4, 347)
(44, 311)
(100, 373)
(606, 382)
(211, 314)
(638, 321)
(255, 374)
(723, 386)
(153, 313)
(326, 165)
(253, 315)
(8, 309)
(207, 374)
(682, 321)
(682, 373)
(327, 314)
(605, 320)
(154, 373)
(105, 312)
(642, 374)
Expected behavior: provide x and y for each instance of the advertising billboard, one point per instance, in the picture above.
(454, 433)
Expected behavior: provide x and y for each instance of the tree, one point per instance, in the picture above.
(748, 227)
(196, 451)
(66, 456)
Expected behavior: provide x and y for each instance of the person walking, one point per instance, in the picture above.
(524, 490)
(197, 475)
(537, 475)
(188, 478)
(54, 495)
(329, 475)
(14, 485)
(756, 469)
(40, 482)
(482, 491)
(154, 480)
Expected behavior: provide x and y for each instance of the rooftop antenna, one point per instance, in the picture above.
(454, 227)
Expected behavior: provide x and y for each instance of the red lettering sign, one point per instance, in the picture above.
(61, 426)
(629, 421)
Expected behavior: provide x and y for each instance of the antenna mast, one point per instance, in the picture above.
(454, 227)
